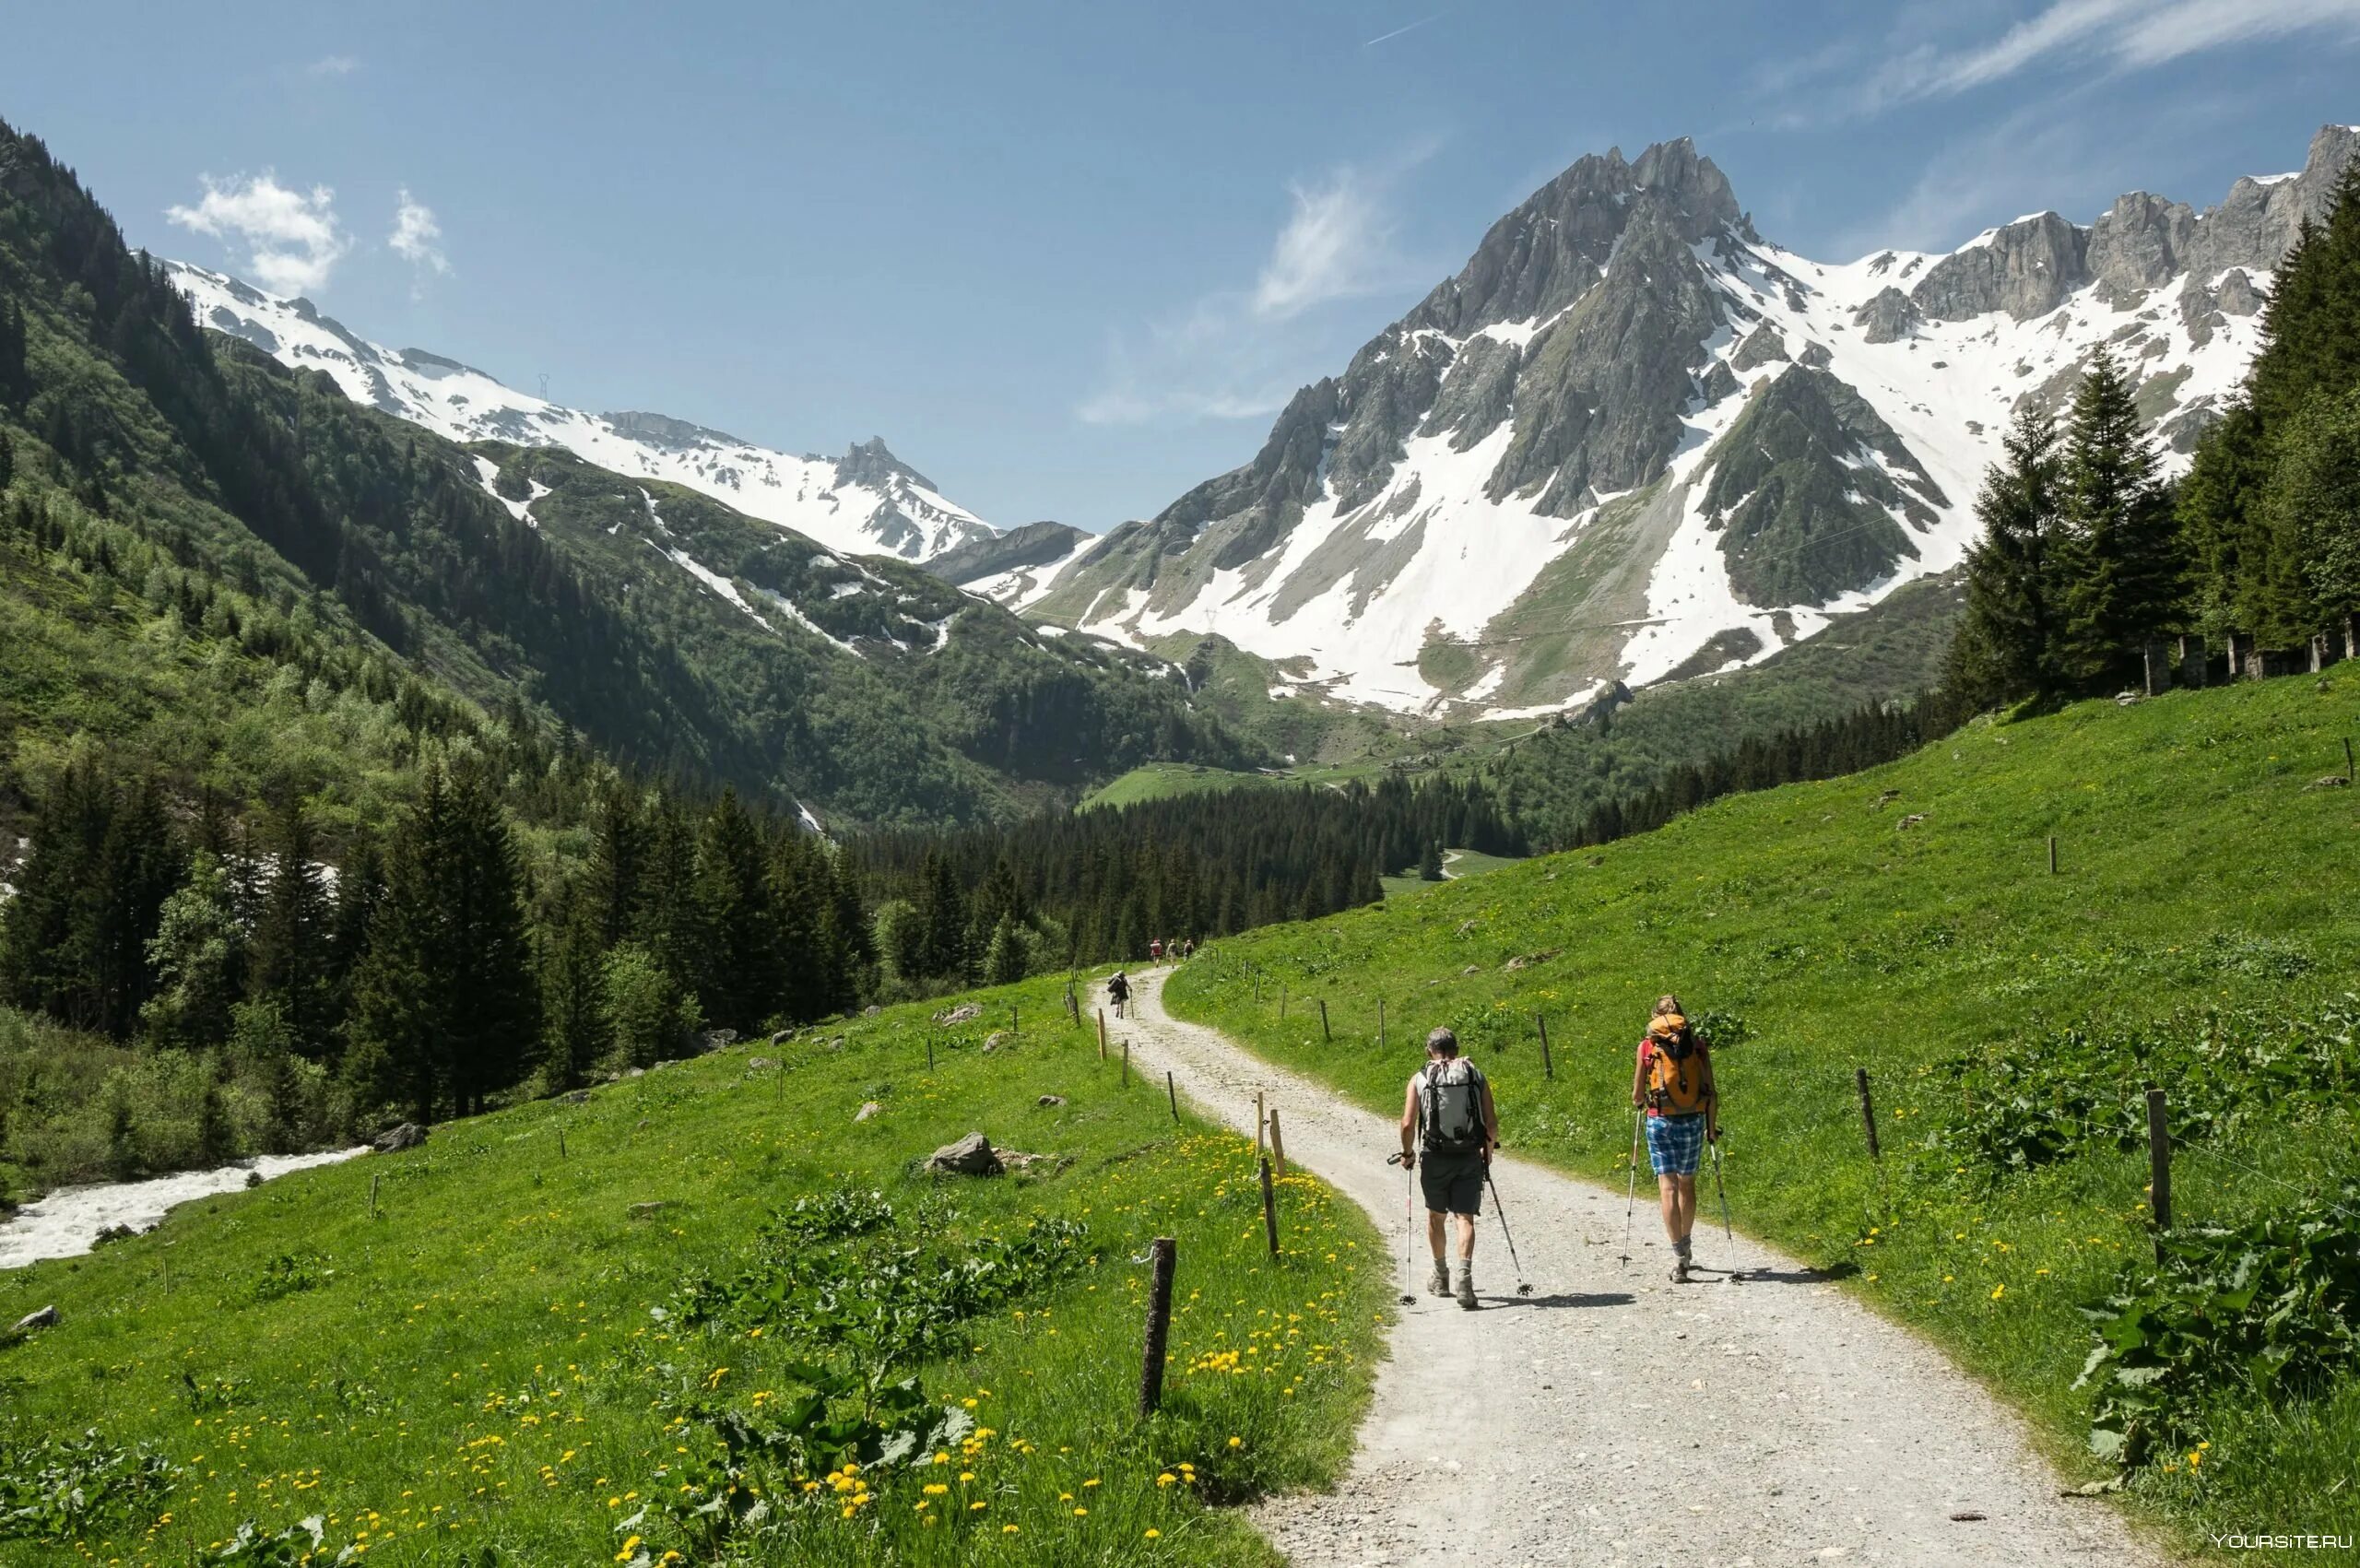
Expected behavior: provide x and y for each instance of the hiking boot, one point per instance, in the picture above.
(1680, 1262)
(1466, 1292)
(1439, 1285)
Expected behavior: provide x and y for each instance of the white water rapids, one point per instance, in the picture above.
(67, 1222)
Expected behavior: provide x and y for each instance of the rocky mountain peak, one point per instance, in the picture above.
(872, 464)
(1547, 252)
(662, 429)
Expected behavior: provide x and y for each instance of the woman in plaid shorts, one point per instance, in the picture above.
(1674, 1086)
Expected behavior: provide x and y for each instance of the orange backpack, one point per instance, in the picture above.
(1673, 1077)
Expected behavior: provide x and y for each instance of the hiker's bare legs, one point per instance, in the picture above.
(1437, 1233)
(1679, 1197)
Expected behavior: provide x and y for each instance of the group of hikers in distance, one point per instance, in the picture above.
(1450, 1126)
(1118, 984)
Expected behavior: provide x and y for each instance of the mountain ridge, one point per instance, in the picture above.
(867, 501)
(1578, 461)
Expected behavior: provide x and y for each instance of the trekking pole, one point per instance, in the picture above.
(1722, 1190)
(1500, 1210)
(1409, 1230)
(1631, 1202)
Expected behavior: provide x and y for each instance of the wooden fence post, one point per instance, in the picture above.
(1102, 1034)
(2347, 761)
(1127, 1064)
(1012, 1028)
(561, 1143)
(1283, 999)
(1163, 1254)
(1257, 1124)
(1322, 1020)
(1380, 1023)
(1277, 1144)
(929, 1051)
(2159, 1167)
(1868, 1113)
(1172, 1094)
(1269, 1210)
(1548, 1067)
(2052, 855)
(373, 1195)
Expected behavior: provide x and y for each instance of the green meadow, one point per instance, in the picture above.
(711, 1314)
(2200, 931)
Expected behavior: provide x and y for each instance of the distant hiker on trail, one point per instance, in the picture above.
(1118, 990)
(1155, 947)
(1449, 1119)
(1674, 1086)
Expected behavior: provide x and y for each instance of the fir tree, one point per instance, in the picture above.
(2313, 505)
(2119, 554)
(618, 854)
(1430, 862)
(291, 958)
(740, 981)
(574, 1009)
(2007, 644)
(1004, 959)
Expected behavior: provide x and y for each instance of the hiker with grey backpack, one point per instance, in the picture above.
(1449, 1127)
(1681, 1108)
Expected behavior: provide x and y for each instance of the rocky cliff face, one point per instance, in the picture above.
(1630, 431)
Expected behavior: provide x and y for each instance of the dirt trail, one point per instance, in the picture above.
(1541, 1430)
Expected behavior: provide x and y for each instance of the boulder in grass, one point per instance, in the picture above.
(1051, 1099)
(392, 1140)
(868, 1108)
(649, 1210)
(965, 1013)
(971, 1155)
(45, 1318)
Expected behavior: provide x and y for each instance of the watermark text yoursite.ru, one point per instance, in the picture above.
(2273, 1541)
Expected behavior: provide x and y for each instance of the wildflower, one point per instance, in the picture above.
(629, 1545)
(1237, 1443)
(1153, 1533)
(1998, 1291)
(1081, 1512)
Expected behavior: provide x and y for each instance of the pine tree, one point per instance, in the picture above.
(2119, 552)
(575, 1033)
(290, 956)
(445, 1009)
(1430, 862)
(618, 854)
(741, 980)
(1004, 959)
(2313, 505)
(2007, 645)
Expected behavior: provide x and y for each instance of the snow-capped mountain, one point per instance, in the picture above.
(1634, 440)
(867, 501)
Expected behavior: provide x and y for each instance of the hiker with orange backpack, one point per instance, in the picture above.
(1673, 1089)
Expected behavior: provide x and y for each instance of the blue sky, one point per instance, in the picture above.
(1069, 258)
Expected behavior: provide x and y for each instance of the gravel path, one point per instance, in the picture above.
(1613, 1418)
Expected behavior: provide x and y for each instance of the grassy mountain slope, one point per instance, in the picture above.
(509, 1359)
(1904, 920)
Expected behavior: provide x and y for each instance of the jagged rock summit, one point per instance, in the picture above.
(1632, 439)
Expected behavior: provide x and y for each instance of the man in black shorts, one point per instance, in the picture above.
(1448, 1130)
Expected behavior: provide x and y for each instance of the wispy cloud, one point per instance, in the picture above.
(2114, 36)
(329, 66)
(292, 238)
(1240, 353)
(1397, 33)
(418, 240)
(1337, 243)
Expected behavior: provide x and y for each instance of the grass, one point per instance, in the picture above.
(1457, 864)
(2196, 871)
(510, 1362)
(1162, 780)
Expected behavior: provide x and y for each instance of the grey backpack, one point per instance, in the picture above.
(1450, 1104)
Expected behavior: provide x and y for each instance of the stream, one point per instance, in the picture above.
(67, 1222)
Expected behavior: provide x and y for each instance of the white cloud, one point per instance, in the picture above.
(1337, 243)
(2108, 35)
(331, 65)
(292, 236)
(1240, 353)
(417, 239)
